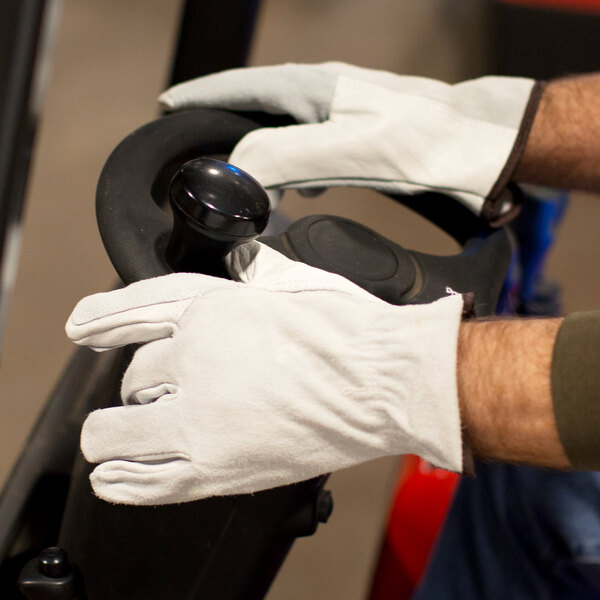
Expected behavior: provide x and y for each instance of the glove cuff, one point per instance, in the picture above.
(492, 210)
(413, 361)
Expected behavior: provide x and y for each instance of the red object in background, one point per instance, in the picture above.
(420, 505)
(566, 5)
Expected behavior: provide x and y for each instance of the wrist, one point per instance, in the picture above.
(504, 390)
(563, 147)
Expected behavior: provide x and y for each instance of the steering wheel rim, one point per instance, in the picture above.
(135, 230)
(133, 227)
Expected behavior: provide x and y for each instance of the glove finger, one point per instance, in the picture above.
(262, 267)
(311, 192)
(148, 376)
(150, 432)
(302, 91)
(139, 483)
(141, 312)
(422, 86)
(302, 156)
(274, 198)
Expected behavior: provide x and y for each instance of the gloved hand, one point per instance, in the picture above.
(375, 129)
(280, 376)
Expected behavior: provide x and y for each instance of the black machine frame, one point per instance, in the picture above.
(32, 501)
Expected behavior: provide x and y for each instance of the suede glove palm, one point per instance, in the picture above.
(396, 134)
(280, 376)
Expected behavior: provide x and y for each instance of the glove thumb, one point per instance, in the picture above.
(262, 267)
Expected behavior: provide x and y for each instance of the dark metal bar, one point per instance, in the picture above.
(214, 35)
(542, 42)
(32, 501)
(26, 31)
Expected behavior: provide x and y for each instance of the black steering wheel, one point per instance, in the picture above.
(142, 242)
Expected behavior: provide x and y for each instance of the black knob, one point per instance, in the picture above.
(216, 206)
(324, 506)
(53, 562)
(50, 577)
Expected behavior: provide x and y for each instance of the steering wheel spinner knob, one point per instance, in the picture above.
(216, 206)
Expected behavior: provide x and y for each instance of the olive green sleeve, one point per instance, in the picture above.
(576, 388)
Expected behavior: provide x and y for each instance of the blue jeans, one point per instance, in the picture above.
(516, 533)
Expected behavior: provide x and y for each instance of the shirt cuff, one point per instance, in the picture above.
(576, 388)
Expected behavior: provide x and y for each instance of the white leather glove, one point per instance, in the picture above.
(368, 128)
(286, 374)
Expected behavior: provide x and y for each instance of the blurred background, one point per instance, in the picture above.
(113, 58)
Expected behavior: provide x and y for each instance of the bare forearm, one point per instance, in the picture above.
(504, 366)
(563, 148)
(505, 393)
